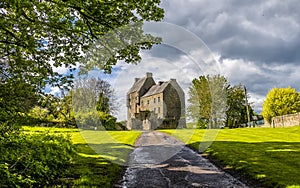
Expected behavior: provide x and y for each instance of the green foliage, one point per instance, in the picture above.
(93, 165)
(35, 33)
(200, 99)
(102, 104)
(16, 97)
(201, 124)
(34, 160)
(236, 103)
(93, 118)
(65, 111)
(88, 120)
(108, 121)
(93, 102)
(281, 101)
(39, 36)
(208, 100)
(39, 113)
(214, 102)
(52, 111)
(93, 93)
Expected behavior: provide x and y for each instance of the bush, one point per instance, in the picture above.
(34, 160)
(93, 119)
(87, 119)
(107, 121)
(201, 124)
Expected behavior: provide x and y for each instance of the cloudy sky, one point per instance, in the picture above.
(255, 43)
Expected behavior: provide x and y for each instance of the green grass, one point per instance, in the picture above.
(101, 154)
(266, 155)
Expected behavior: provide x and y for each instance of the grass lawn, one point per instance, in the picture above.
(266, 155)
(101, 154)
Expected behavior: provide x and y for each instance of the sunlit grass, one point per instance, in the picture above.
(48, 129)
(270, 156)
(101, 154)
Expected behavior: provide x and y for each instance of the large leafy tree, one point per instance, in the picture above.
(236, 113)
(93, 103)
(200, 99)
(213, 101)
(207, 102)
(281, 101)
(37, 36)
(94, 94)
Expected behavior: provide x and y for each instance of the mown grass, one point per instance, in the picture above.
(100, 154)
(268, 156)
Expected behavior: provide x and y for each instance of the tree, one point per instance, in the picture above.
(94, 94)
(37, 36)
(93, 103)
(65, 110)
(236, 114)
(207, 102)
(281, 101)
(16, 98)
(213, 101)
(102, 104)
(200, 100)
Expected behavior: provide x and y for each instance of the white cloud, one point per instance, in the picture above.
(54, 90)
(256, 101)
(62, 69)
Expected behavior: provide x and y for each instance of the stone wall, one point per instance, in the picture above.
(156, 104)
(288, 120)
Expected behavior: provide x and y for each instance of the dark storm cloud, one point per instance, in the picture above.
(260, 31)
(165, 51)
(257, 42)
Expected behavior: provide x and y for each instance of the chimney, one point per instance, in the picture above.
(173, 80)
(160, 82)
(148, 74)
(136, 79)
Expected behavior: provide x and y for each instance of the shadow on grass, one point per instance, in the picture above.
(114, 152)
(266, 164)
(98, 165)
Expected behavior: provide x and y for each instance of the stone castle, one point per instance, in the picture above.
(155, 106)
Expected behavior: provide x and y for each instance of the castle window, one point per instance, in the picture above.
(147, 101)
(158, 109)
(158, 99)
(154, 110)
(154, 100)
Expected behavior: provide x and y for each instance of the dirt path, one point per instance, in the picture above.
(160, 160)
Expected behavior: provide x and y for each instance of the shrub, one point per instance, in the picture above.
(34, 160)
(107, 121)
(93, 119)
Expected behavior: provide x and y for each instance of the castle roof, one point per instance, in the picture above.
(140, 82)
(156, 89)
(137, 85)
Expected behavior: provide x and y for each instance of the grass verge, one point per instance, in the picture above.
(100, 154)
(268, 156)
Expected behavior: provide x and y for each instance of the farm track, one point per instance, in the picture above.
(160, 160)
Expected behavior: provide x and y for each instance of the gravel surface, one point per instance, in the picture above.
(160, 160)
